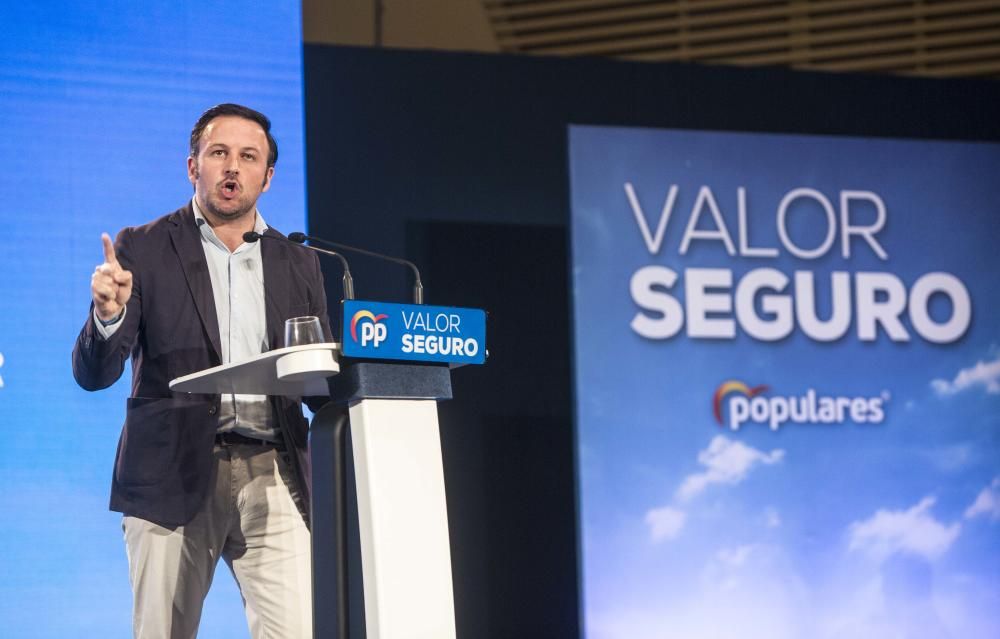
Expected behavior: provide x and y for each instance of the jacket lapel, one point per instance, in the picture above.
(187, 242)
(277, 279)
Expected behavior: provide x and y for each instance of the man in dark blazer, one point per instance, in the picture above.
(203, 476)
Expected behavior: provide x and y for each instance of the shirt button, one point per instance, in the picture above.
(211, 411)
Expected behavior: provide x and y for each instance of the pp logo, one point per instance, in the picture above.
(372, 331)
(733, 387)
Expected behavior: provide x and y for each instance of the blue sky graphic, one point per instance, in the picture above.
(690, 529)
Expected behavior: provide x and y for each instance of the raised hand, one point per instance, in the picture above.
(110, 285)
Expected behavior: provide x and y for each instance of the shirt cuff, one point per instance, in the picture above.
(107, 329)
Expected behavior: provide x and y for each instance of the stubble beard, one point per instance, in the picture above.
(227, 216)
(207, 205)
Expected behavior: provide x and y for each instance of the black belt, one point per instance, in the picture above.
(230, 438)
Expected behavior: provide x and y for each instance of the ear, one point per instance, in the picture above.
(192, 169)
(267, 179)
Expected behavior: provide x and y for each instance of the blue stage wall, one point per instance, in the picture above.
(97, 100)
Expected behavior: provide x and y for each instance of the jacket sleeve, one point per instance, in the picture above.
(99, 362)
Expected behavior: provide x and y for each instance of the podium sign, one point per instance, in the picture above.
(413, 332)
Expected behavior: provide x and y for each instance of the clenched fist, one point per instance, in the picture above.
(110, 285)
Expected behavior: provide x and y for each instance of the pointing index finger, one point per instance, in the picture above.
(109, 249)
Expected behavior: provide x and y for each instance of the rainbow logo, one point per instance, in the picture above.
(360, 315)
(732, 386)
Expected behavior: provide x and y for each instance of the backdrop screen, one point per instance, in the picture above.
(97, 100)
(787, 385)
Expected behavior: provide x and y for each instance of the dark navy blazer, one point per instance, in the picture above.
(164, 461)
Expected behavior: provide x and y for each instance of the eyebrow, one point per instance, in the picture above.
(226, 146)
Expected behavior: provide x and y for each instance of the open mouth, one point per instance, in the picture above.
(230, 188)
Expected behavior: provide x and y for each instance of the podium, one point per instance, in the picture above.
(402, 514)
(388, 372)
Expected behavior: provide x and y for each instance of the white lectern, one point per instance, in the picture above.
(402, 514)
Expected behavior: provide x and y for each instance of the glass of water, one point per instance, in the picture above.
(303, 330)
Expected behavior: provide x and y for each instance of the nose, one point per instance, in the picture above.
(232, 165)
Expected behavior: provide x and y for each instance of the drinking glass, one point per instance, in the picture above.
(303, 330)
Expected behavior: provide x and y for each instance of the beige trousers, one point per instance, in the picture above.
(251, 520)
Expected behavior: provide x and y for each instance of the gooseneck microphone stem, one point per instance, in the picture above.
(253, 236)
(418, 287)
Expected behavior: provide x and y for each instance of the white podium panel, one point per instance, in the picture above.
(403, 519)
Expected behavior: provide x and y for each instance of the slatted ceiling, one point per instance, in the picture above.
(840, 48)
(917, 37)
(695, 27)
(903, 62)
(603, 13)
(692, 14)
(977, 68)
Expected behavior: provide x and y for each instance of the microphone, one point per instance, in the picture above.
(253, 236)
(418, 287)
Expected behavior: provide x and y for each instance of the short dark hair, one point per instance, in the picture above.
(240, 111)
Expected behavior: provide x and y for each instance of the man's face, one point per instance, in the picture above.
(230, 171)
